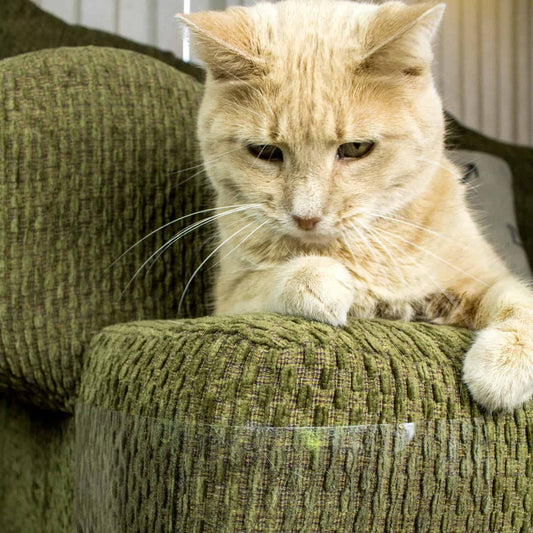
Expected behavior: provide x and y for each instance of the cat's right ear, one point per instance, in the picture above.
(401, 35)
(223, 40)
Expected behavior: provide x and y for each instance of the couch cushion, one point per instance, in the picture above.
(37, 469)
(520, 161)
(489, 184)
(94, 147)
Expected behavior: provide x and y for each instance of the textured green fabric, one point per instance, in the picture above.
(257, 368)
(37, 470)
(172, 434)
(24, 27)
(214, 424)
(92, 145)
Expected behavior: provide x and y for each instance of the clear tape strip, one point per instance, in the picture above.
(136, 473)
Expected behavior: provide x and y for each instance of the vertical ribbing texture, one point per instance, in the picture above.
(92, 145)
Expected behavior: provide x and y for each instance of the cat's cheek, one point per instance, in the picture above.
(498, 368)
(318, 288)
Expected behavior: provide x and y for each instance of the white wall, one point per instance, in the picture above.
(484, 64)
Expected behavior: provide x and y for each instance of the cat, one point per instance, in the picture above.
(322, 131)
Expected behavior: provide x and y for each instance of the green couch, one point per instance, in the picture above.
(118, 414)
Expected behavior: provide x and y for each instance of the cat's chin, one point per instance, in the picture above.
(312, 238)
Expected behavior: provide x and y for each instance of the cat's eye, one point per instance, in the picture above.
(354, 150)
(266, 152)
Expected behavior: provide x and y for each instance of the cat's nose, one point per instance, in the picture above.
(306, 223)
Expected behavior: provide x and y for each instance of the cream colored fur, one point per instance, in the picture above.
(395, 238)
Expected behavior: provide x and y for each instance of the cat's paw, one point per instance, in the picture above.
(319, 288)
(498, 368)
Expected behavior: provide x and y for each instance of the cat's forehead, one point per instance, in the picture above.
(312, 112)
(312, 50)
(305, 105)
(311, 31)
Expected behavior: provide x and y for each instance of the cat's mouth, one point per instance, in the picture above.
(315, 239)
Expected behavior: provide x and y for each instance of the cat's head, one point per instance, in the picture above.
(322, 112)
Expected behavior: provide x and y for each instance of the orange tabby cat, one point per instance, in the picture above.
(322, 129)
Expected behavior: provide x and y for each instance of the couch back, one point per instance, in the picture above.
(95, 144)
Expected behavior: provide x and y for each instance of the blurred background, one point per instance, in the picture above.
(484, 53)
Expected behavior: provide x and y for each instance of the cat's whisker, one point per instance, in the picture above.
(202, 170)
(435, 256)
(373, 250)
(180, 183)
(203, 162)
(177, 172)
(435, 163)
(247, 110)
(240, 243)
(181, 234)
(349, 247)
(364, 245)
(345, 234)
(369, 247)
(383, 247)
(394, 261)
(228, 226)
(213, 238)
(176, 220)
(185, 231)
(253, 167)
(402, 220)
(186, 288)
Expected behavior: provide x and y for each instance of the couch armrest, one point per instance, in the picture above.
(271, 423)
(279, 371)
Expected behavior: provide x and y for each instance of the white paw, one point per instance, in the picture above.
(498, 369)
(318, 288)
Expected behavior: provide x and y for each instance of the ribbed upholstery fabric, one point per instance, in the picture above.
(279, 371)
(93, 142)
(268, 423)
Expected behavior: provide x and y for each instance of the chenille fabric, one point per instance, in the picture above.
(95, 147)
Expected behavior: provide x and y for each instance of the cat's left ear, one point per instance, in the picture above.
(403, 32)
(224, 42)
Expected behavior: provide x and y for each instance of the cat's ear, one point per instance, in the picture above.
(402, 34)
(224, 42)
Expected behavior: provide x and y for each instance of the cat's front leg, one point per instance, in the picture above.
(498, 368)
(315, 287)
